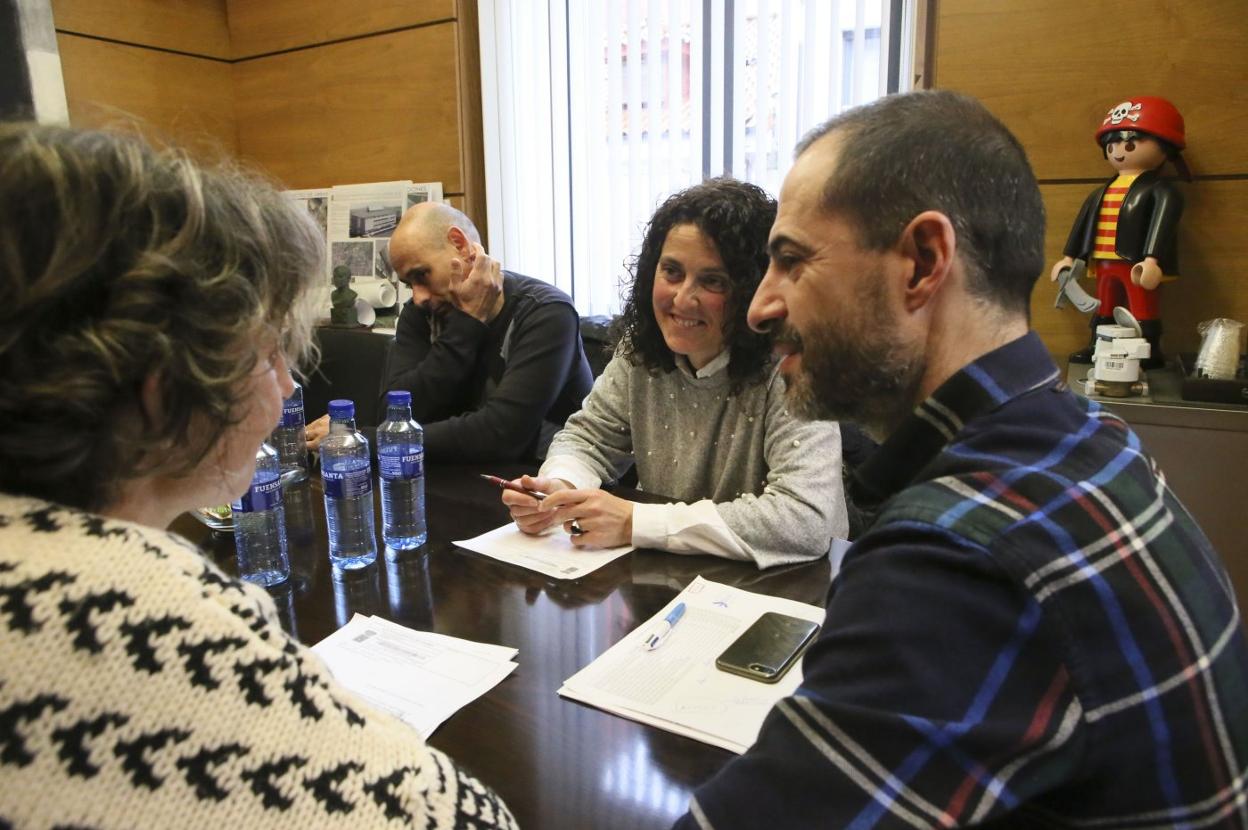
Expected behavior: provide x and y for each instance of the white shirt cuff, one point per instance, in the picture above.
(687, 528)
(572, 470)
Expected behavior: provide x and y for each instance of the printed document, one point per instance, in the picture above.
(420, 677)
(677, 686)
(551, 553)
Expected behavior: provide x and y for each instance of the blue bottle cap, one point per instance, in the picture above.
(341, 410)
(398, 398)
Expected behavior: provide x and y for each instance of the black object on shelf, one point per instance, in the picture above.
(1196, 388)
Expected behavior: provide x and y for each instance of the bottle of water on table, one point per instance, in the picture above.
(289, 439)
(348, 480)
(401, 461)
(260, 524)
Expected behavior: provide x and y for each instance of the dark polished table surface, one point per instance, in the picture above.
(557, 763)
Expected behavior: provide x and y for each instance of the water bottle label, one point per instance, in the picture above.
(292, 414)
(345, 484)
(259, 497)
(398, 462)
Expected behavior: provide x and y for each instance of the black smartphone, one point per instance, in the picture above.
(768, 648)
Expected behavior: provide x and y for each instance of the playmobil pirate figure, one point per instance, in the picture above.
(1125, 234)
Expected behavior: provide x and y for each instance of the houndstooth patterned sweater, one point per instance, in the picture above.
(141, 687)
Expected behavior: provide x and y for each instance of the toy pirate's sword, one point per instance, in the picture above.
(1068, 288)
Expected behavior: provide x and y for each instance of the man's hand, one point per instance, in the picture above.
(1146, 274)
(606, 521)
(480, 294)
(524, 508)
(315, 432)
(1064, 262)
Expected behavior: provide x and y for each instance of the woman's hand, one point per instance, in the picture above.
(605, 521)
(524, 508)
(315, 432)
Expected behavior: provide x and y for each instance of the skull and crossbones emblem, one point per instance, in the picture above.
(1126, 111)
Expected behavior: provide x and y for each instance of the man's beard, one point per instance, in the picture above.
(860, 374)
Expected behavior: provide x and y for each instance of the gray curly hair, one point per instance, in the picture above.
(118, 263)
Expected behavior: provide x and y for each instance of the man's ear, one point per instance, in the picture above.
(929, 243)
(459, 241)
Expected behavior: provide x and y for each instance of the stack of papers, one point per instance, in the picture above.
(421, 677)
(676, 686)
(551, 553)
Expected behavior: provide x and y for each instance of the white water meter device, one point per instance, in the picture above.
(1120, 346)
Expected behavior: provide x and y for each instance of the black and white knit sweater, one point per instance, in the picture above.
(141, 687)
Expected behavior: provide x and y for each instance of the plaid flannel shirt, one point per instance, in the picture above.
(1033, 633)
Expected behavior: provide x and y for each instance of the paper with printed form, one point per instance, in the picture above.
(551, 553)
(420, 677)
(676, 687)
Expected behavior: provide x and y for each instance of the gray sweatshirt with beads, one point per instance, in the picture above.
(752, 481)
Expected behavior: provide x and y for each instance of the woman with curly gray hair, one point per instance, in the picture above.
(693, 398)
(149, 308)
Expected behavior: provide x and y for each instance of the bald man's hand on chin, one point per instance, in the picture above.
(480, 294)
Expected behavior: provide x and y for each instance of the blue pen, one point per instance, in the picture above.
(657, 636)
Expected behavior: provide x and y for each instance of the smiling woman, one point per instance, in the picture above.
(694, 400)
(691, 295)
(718, 232)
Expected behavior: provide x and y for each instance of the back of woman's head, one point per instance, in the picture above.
(737, 217)
(120, 266)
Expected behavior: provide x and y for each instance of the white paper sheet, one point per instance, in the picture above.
(551, 553)
(676, 687)
(420, 677)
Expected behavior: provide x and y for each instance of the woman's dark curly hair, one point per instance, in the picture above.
(736, 216)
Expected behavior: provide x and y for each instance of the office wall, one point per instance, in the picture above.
(328, 93)
(1050, 71)
(164, 63)
(316, 92)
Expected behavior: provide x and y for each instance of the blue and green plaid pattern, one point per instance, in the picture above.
(1033, 633)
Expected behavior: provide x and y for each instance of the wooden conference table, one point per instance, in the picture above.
(557, 763)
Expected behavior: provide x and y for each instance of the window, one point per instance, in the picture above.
(594, 112)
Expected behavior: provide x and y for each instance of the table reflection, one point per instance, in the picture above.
(557, 763)
(409, 590)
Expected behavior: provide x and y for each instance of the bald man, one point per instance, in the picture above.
(493, 359)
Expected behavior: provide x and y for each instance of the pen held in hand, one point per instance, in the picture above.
(512, 486)
(664, 628)
(516, 488)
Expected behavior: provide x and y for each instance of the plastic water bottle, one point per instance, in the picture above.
(260, 524)
(289, 439)
(401, 460)
(348, 480)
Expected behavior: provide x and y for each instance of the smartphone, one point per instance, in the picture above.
(768, 648)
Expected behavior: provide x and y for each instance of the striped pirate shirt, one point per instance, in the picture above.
(1106, 242)
(1033, 633)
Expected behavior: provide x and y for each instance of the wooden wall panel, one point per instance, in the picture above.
(259, 27)
(1050, 70)
(184, 99)
(1211, 253)
(471, 129)
(376, 109)
(195, 26)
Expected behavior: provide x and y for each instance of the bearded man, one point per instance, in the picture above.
(1034, 632)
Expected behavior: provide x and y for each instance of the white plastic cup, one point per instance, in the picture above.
(1218, 357)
